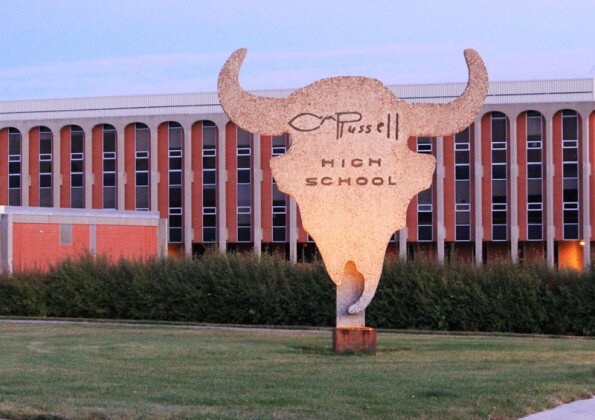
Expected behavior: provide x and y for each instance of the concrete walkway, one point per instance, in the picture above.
(577, 410)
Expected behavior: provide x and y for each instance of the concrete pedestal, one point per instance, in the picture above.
(354, 340)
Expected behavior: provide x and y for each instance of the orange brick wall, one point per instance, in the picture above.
(37, 245)
(130, 242)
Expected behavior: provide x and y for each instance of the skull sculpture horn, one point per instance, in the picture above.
(349, 167)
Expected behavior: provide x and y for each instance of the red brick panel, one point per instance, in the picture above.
(36, 246)
(130, 242)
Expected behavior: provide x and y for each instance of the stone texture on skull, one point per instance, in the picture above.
(349, 167)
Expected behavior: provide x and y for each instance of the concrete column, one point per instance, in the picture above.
(25, 176)
(257, 205)
(293, 230)
(187, 189)
(478, 202)
(403, 243)
(221, 186)
(549, 187)
(440, 229)
(120, 170)
(88, 166)
(514, 198)
(56, 173)
(154, 170)
(586, 205)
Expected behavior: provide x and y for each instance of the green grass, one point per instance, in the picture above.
(107, 371)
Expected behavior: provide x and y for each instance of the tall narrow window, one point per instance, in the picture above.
(45, 167)
(424, 199)
(175, 136)
(279, 146)
(77, 144)
(499, 151)
(209, 182)
(109, 166)
(462, 186)
(534, 176)
(14, 167)
(570, 174)
(141, 155)
(244, 207)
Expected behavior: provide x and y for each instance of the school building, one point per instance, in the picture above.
(515, 185)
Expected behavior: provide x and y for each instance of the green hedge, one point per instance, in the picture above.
(243, 289)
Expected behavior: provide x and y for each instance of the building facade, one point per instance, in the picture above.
(515, 185)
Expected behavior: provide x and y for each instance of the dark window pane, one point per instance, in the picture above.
(209, 137)
(45, 181)
(462, 192)
(209, 220)
(45, 167)
(499, 233)
(208, 177)
(244, 176)
(498, 217)
(535, 232)
(571, 196)
(243, 138)
(45, 197)
(534, 216)
(279, 234)
(142, 178)
(424, 233)
(463, 233)
(462, 157)
(175, 220)
(76, 180)
(175, 178)
(244, 195)
(570, 155)
(209, 234)
(244, 234)
(208, 162)
(498, 129)
(498, 190)
(244, 219)
(570, 170)
(534, 155)
(243, 162)
(142, 197)
(109, 165)
(76, 198)
(462, 172)
(208, 197)
(175, 235)
(175, 197)
(14, 182)
(109, 180)
(175, 163)
(45, 145)
(109, 197)
(424, 218)
(534, 171)
(142, 164)
(570, 128)
(14, 167)
(570, 231)
(462, 218)
(498, 156)
(14, 197)
(76, 166)
(279, 219)
(498, 172)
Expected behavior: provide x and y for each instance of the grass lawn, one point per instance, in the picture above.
(106, 371)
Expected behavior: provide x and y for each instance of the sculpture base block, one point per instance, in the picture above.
(354, 340)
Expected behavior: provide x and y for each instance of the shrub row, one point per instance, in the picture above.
(243, 289)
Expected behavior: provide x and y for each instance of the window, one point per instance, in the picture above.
(499, 154)
(534, 176)
(77, 167)
(462, 186)
(175, 208)
(109, 166)
(570, 171)
(424, 199)
(279, 199)
(14, 167)
(244, 170)
(141, 175)
(209, 182)
(45, 167)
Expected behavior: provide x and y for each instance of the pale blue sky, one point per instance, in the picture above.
(69, 48)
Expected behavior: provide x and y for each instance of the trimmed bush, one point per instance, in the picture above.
(244, 289)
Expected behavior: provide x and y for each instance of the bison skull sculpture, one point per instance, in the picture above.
(349, 167)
